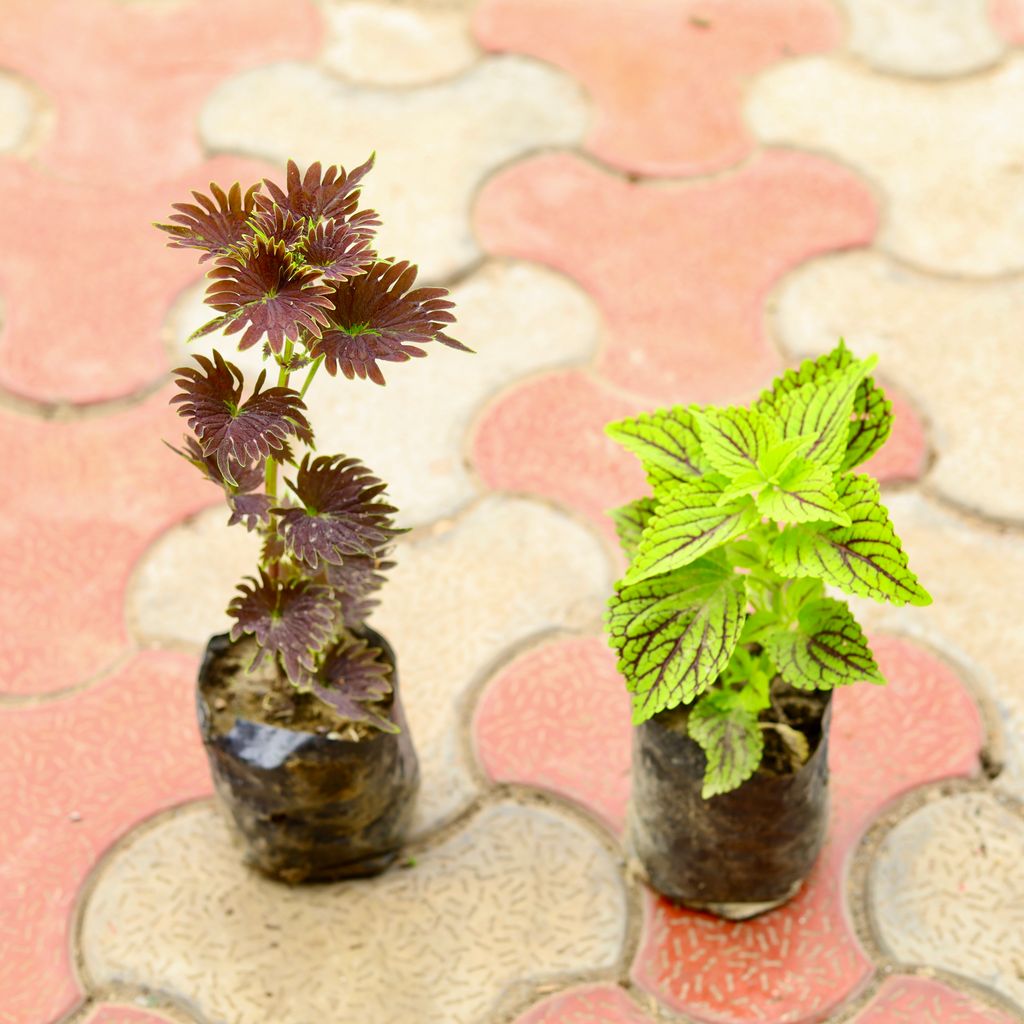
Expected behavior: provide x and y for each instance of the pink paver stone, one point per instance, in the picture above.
(75, 775)
(547, 437)
(558, 718)
(908, 1000)
(113, 286)
(592, 1004)
(1008, 18)
(797, 963)
(128, 80)
(681, 272)
(106, 487)
(667, 76)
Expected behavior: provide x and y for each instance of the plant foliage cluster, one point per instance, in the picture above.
(294, 269)
(754, 511)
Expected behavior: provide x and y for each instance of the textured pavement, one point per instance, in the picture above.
(664, 201)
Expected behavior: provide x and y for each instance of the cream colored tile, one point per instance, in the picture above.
(18, 110)
(953, 346)
(435, 145)
(385, 44)
(518, 317)
(931, 38)
(947, 891)
(947, 157)
(519, 895)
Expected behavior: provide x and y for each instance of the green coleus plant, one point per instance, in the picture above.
(295, 271)
(754, 511)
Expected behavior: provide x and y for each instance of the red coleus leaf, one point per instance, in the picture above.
(238, 433)
(337, 249)
(250, 510)
(294, 620)
(355, 582)
(215, 225)
(314, 195)
(340, 514)
(276, 225)
(354, 678)
(380, 316)
(261, 289)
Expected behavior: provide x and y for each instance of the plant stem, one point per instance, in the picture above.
(310, 376)
(270, 469)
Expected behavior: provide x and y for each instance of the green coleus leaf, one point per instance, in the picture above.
(864, 558)
(804, 493)
(736, 439)
(630, 521)
(687, 523)
(871, 420)
(666, 442)
(675, 634)
(731, 740)
(826, 649)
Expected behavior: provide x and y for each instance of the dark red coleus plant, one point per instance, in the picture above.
(295, 268)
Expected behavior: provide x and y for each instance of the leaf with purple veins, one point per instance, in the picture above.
(355, 582)
(340, 513)
(353, 678)
(379, 316)
(315, 194)
(250, 510)
(236, 432)
(214, 225)
(293, 620)
(337, 249)
(260, 289)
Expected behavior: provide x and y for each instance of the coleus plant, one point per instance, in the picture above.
(294, 270)
(754, 511)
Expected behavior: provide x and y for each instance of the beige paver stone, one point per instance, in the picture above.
(951, 345)
(435, 144)
(947, 157)
(18, 110)
(461, 598)
(976, 578)
(518, 895)
(931, 38)
(385, 44)
(518, 317)
(947, 890)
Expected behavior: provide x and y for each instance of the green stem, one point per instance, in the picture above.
(270, 470)
(310, 376)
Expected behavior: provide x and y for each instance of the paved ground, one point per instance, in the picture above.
(659, 201)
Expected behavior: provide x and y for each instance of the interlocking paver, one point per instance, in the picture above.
(387, 44)
(679, 271)
(593, 1004)
(519, 895)
(929, 38)
(130, 78)
(947, 890)
(19, 107)
(423, 182)
(947, 156)
(109, 1013)
(667, 76)
(908, 1000)
(83, 500)
(76, 775)
(967, 328)
(518, 317)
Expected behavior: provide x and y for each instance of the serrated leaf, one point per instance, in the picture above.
(293, 620)
(731, 741)
(666, 442)
(687, 523)
(735, 440)
(804, 493)
(826, 649)
(822, 410)
(353, 678)
(675, 634)
(865, 558)
(872, 412)
(341, 513)
(630, 521)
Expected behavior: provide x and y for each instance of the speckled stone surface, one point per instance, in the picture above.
(519, 896)
(947, 890)
(912, 1000)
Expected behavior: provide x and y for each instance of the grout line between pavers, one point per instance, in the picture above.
(100, 676)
